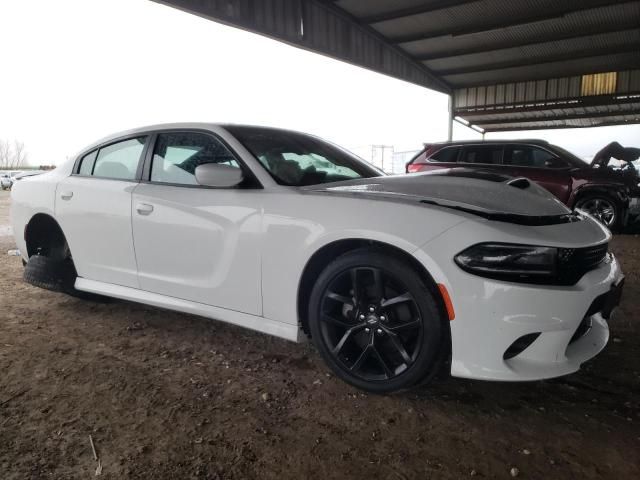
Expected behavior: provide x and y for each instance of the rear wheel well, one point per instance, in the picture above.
(329, 252)
(44, 236)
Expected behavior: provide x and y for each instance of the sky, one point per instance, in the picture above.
(74, 71)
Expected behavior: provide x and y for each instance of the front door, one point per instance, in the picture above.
(192, 242)
(541, 166)
(93, 207)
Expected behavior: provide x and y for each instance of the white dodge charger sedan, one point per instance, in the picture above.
(391, 277)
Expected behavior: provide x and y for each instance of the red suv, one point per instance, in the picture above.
(604, 193)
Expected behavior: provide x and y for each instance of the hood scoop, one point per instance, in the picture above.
(521, 183)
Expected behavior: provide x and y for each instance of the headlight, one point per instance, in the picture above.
(520, 263)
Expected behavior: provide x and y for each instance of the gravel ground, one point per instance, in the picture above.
(167, 395)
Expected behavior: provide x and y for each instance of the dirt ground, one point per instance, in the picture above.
(171, 396)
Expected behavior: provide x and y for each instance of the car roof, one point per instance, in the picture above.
(530, 141)
(174, 126)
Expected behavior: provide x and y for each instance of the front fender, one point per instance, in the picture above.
(620, 193)
(292, 236)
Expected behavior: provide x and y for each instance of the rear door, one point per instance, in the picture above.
(486, 156)
(93, 207)
(541, 166)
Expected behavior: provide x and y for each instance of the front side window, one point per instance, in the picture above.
(296, 159)
(484, 154)
(176, 156)
(525, 156)
(119, 160)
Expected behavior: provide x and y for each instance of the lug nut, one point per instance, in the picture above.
(371, 309)
(379, 331)
(362, 317)
(367, 330)
(383, 318)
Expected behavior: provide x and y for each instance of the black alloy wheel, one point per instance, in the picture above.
(375, 322)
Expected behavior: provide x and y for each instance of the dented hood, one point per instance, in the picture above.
(473, 191)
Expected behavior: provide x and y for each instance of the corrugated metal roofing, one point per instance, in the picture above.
(490, 53)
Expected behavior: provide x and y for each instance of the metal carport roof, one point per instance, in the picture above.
(508, 64)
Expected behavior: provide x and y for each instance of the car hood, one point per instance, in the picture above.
(474, 191)
(606, 174)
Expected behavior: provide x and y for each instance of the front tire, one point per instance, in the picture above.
(375, 322)
(602, 207)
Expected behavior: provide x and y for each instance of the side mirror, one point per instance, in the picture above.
(216, 175)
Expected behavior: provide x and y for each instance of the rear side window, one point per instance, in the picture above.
(176, 156)
(119, 160)
(87, 162)
(445, 155)
(483, 154)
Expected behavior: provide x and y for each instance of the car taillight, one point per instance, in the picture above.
(417, 163)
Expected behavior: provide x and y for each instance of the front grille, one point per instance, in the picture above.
(573, 263)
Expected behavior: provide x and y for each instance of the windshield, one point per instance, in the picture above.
(297, 159)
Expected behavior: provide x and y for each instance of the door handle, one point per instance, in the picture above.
(66, 195)
(144, 208)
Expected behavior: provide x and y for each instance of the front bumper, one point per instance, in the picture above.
(490, 315)
(512, 311)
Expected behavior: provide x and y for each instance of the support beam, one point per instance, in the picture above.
(475, 128)
(559, 35)
(528, 61)
(530, 17)
(416, 10)
(557, 127)
(550, 118)
(557, 104)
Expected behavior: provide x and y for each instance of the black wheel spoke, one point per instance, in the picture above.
(336, 321)
(387, 371)
(397, 343)
(362, 358)
(411, 324)
(405, 297)
(378, 284)
(340, 298)
(338, 348)
(355, 285)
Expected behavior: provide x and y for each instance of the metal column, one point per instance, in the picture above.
(450, 124)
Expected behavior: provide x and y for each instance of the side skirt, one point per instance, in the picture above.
(260, 324)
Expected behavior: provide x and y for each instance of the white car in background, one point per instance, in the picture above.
(7, 179)
(287, 234)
